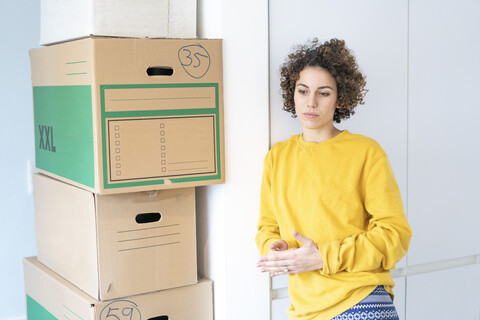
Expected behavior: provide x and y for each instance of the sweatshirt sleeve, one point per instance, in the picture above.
(267, 228)
(388, 234)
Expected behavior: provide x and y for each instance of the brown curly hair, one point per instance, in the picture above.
(334, 57)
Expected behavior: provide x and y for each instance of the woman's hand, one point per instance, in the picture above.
(281, 260)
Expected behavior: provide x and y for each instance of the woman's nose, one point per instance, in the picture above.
(312, 102)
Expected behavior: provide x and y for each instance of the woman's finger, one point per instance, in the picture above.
(300, 237)
(278, 271)
(279, 245)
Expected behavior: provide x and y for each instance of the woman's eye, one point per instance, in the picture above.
(325, 94)
(301, 91)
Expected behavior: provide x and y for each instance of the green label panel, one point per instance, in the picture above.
(35, 311)
(64, 132)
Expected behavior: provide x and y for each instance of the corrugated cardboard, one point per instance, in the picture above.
(49, 297)
(104, 124)
(113, 246)
(62, 20)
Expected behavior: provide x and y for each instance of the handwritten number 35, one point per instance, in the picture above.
(196, 55)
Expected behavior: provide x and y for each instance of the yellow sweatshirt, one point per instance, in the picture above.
(343, 195)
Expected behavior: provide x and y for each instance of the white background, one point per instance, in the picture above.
(421, 61)
(19, 25)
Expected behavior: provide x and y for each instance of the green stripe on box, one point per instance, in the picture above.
(35, 311)
(64, 132)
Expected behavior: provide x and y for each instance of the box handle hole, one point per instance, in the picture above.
(159, 71)
(148, 217)
(159, 318)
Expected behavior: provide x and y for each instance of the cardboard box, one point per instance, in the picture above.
(49, 296)
(62, 20)
(125, 115)
(113, 246)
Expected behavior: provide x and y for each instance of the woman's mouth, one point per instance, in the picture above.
(310, 115)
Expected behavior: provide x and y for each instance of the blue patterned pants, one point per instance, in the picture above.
(377, 305)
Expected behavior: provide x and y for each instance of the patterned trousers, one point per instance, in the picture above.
(377, 305)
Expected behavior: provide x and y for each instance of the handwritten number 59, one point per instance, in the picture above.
(127, 312)
(120, 310)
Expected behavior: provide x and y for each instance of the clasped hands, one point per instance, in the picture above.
(281, 260)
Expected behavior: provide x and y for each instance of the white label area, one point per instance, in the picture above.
(161, 147)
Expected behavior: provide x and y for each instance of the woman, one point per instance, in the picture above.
(331, 214)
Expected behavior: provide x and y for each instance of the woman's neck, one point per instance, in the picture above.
(318, 136)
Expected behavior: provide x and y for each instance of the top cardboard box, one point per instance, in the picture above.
(117, 115)
(62, 20)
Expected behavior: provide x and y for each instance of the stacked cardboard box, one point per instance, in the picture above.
(125, 128)
(50, 296)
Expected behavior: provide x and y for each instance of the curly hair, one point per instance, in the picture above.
(334, 57)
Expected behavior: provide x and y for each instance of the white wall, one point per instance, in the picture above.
(444, 150)
(19, 22)
(229, 213)
(443, 156)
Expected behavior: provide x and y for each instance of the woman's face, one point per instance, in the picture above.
(315, 99)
